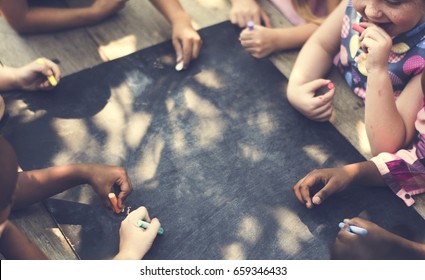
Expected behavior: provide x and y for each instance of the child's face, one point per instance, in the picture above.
(8, 180)
(394, 16)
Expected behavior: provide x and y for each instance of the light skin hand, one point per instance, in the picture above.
(135, 242)
(378, 44)
(259, 42)
(186, 41)
(317, 108)
(33, 76)
(243, 11)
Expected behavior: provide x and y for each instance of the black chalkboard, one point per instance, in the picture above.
(212, 151)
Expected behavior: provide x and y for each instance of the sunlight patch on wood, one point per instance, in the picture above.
(118, 48)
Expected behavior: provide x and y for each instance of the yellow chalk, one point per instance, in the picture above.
(50, 78)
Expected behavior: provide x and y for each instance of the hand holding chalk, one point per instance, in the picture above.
(354, 229)
(322, 90)
(134, 242)
(145, 225)
(179, 66)
(51, 78)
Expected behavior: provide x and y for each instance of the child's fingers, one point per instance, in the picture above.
(196, 49)
(125, 189)
(329, 189)
(140, 213)
(314, 85)
(187, 52)
(245, 35)
(153, 227)
(178, 49)
(302, 191)
(325, 115)
(266, 20)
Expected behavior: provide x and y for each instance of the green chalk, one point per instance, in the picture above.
(144, 224)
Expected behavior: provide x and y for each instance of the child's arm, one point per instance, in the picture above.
(186, 41)
(389, 123)
(313, 62)
(36, 185)
(263, 41)
(135, 242)
(32, 76)
(333, 180)
(25, 19)
(14, 245)
(377, 244)
(245, 10)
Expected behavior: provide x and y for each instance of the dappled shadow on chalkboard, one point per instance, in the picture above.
(212, 151)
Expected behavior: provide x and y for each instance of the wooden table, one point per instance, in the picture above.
(138, 26)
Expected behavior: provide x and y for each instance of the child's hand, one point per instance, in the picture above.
(258, 42)
(103, 179)
(377, 43)
(245, 10)
(332, 179)
(376, 244)
(317, 108)
(33, 76)
(103, 8)
(135, 242)
(186, 41)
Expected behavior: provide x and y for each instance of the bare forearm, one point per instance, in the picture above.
(172, 10)
(364, 174)
(51, 19)
(404, 249)
(384, 126)
(8, 79)
(36, 185)
(311, 54)
(15, 245)
(293, 37)
(319, 50)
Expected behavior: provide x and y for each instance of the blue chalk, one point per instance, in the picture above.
(144, 224)
(354, 229)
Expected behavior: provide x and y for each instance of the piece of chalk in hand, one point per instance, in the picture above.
(113, 198)
(250, 25)
(354, 229)
(145, 225)
(358, 28)
(51, 78)
(324, 89)
(179, 66)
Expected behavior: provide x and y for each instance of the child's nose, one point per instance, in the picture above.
(373, 11)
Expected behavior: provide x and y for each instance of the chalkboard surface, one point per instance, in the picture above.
(213, 152)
